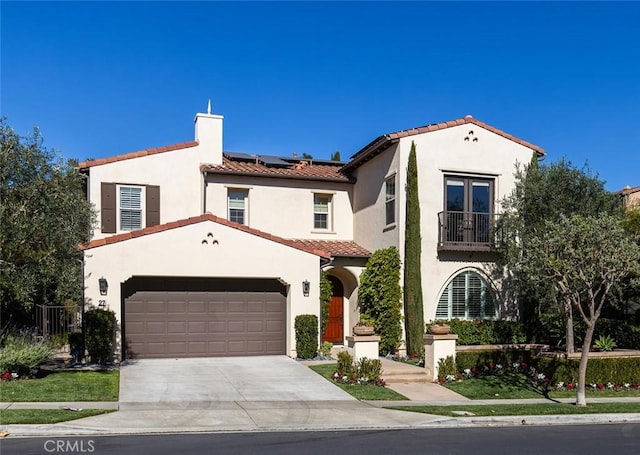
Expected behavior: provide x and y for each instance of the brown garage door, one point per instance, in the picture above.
(204, 324)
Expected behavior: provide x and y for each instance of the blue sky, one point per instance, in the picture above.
(102, 79)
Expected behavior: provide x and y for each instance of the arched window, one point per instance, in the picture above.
(467, 296)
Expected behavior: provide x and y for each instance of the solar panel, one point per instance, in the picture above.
(272, 161)
(236, 156)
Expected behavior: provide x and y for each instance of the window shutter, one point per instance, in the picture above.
(153, 205)
(108, 207)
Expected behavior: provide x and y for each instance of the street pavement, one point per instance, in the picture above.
(265, 394)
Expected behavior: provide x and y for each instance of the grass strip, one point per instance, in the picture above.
(517, 386)
(64, 386)
(359, 391)
(523, 409)
(44, 416)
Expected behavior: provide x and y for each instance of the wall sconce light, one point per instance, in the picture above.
(102, 283)
(305, 288)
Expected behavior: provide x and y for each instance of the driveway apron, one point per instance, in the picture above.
(229, 379)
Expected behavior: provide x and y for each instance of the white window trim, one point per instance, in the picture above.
(487, 287)
(330, 196)
(393, 176)
(239, 189)
(143, 207)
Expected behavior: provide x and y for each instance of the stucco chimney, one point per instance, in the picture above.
(209, 135)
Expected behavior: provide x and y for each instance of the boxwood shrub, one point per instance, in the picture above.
(100, 334)
(486, 332)
(306, 327)
(599, 370)
(480, 359)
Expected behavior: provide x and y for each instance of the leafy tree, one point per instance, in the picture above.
(379, 297)
(326, 292)
(413, 309)
(45, 216)
(335, 156)
(306, 156)
(545, 193)
(583, 258)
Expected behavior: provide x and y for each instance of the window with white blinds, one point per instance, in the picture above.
(321, 211)
(390, 200)
(238, 206)
(130, 204)
(467, 296)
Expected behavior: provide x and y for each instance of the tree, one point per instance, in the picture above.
(45, 217)
(545, 193)
(326, 292)
(306, 156)
(583, 258)
(413, 308)
(379, 296)
(335, 156)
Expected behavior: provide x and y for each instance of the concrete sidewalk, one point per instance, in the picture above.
(244, 409)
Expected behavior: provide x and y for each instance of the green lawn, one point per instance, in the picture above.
(359, 391)
(524, 409)
(42, 416)
(518, 386)
(64, 386)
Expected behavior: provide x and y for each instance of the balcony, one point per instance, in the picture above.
(467, 231)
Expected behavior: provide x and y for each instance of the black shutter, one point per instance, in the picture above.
(108, 207)
(153, 205)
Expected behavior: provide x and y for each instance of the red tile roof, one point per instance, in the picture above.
(304, 170)
(382, 142)
(128, 156)
(628, 190)
(342, 248)
(199, 219)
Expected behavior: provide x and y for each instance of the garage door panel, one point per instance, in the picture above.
(204, 323)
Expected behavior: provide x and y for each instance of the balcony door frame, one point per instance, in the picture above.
(467, 228)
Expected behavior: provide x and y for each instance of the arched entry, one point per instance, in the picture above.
(333, 333)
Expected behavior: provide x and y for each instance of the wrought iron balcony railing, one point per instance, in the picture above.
(467, 231)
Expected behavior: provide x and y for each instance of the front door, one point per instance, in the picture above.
(334, 331)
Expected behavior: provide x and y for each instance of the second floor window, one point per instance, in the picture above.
(321, 211)
(390, 200)
(238, 206)
(130, 208)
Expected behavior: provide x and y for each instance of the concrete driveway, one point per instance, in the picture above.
(202, 382)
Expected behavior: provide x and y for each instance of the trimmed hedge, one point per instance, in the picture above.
(599, 371)
(100, 334)
(480, 359)
(485, 332)
(306, 326)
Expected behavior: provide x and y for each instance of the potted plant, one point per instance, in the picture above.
(364, 326)
(439, 328)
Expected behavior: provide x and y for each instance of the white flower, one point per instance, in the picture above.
(450, 378)
(609, 385)
(515, 365)
(467, 371)
(560, 385)
(14, 375)
(541, 377)
(336, 375)
(498, 367)
(627, 385)
(594, 386)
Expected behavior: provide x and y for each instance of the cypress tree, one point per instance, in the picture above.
(413, 309)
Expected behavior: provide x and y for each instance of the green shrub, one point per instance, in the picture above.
(21, 355)
(379, 297)
(306, 327)
(325, 349)
(485, 331)
(345, 364)
(76, 346)
(100, 329)
(625, 333)
(604, 343)
(599, 370)
(446, 367)
(480, 359)
(368, 369)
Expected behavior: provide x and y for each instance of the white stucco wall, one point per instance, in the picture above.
(284, 207)
(370, 228)
(180, 253)
(438, 153)
(177, 172)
